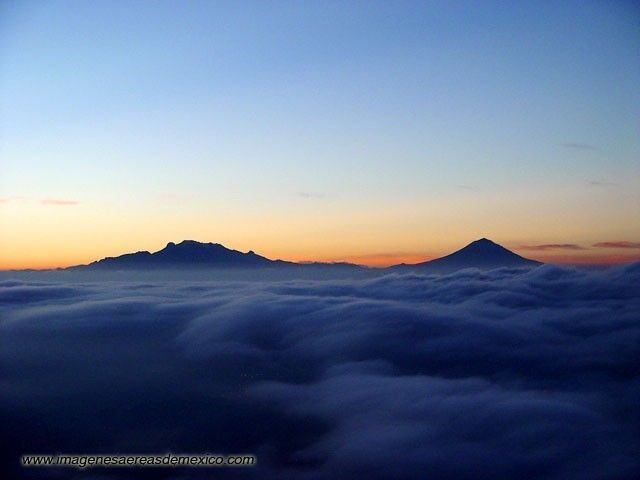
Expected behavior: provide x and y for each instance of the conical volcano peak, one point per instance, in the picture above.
(485, 241)
(485, 250)
(483, 254)
(484, 244)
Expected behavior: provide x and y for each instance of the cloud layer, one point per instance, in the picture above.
(502, 374)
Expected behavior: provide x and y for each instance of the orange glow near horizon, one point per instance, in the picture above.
(42, 235)
(60, 259)
(39, 263)
(372, 260)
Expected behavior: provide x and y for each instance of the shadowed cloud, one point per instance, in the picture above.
(479, 374)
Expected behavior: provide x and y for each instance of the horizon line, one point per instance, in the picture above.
(559, 259)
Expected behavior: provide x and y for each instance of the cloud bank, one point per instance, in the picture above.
(502, 374)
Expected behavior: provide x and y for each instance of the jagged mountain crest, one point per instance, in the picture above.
(190, 254)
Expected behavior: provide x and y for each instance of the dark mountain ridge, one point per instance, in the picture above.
(482, 254)
(189, 254)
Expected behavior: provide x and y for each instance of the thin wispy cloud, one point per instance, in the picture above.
(618, 244)
(600, 183)
(12, 198)
(580, 146)
(31, 200)
(58, 201)
(552, 246)
(309, 195)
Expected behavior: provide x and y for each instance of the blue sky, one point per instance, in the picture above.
(322, 130)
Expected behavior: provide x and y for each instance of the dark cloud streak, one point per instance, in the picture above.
(552, 246)
(580, 146)
(618, 244)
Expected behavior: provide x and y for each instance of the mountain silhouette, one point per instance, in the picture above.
(187, 254)
(190, 255)
(482, 254)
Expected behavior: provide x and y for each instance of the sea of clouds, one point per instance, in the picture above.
(501, 374)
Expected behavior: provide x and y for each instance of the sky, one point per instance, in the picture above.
(373, 132)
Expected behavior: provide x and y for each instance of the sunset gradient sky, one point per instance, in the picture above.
(372, 132)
